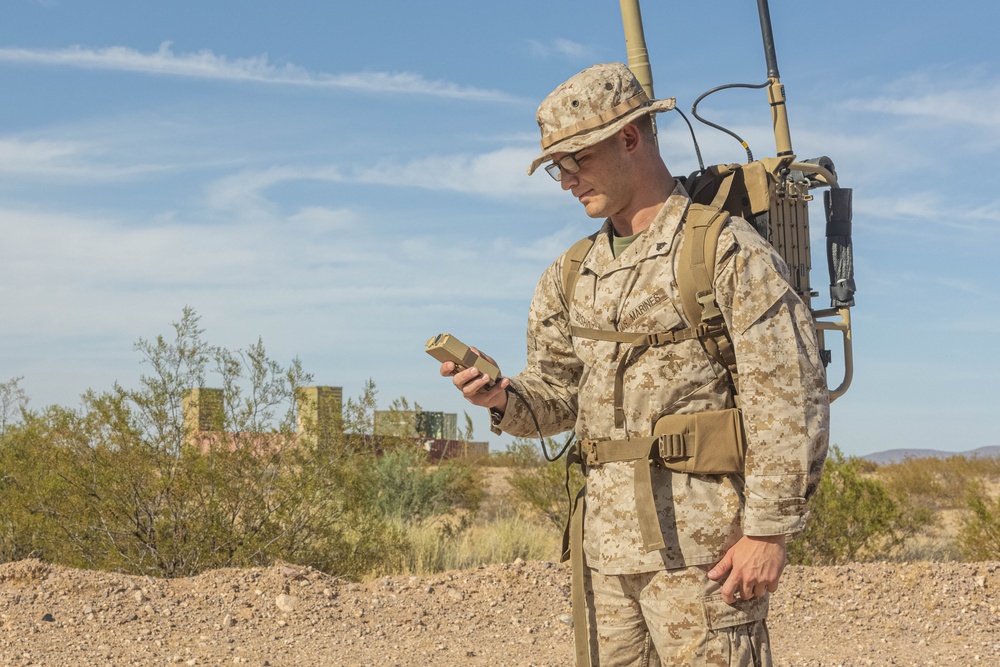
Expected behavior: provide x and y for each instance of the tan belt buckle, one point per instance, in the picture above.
(588, 452)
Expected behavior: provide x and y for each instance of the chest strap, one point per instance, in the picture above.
(638, 340)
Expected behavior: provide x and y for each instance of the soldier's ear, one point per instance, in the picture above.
(631, 137)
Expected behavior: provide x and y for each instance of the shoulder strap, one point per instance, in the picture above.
(572, 262)
(696, 271)
(696, 281)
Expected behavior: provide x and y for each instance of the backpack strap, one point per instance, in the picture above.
(696, 282)
(572, 263)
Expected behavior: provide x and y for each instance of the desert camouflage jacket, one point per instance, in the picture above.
(569, 384)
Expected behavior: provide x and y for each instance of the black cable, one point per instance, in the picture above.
(694, 112)
(694, 140)
(541, 438)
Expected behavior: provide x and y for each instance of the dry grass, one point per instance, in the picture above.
(503, 529)
(499, 532)
(941, 486)
(435, 548)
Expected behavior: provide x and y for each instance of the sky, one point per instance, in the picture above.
(346, 180)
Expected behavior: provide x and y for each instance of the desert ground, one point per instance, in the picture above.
(515, 614)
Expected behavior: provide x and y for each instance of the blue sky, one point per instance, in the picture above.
(346, 180)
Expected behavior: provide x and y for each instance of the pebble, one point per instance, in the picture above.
(286, 603)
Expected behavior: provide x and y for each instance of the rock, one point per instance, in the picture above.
(286, 603)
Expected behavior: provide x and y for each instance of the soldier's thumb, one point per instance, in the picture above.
(721, 568)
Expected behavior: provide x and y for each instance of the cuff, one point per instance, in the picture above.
(785, 516)
(495, 418)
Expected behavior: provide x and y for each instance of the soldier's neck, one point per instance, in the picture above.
(645, 205)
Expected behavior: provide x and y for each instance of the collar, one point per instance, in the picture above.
(657, 239)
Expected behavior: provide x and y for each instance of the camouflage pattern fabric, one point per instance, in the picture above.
(569, 384)
(674, 617)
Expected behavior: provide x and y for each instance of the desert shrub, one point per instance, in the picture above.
(979, 535)
(13, 401)
(938, 483)
(406, 487)
(539, 485)
(34, 493)
(499, 539)
(519, 453)
(854, 517)
(120, 485)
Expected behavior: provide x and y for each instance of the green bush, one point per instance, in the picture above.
(979, 536)
(405, 487)
(854, 517)
(540, 485)
(117, 484)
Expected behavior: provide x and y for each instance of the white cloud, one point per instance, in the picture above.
(931, 208)
(75, 160)
(108, 274)
(207, 65)
(496, 174)
(942, 97)
(560, 47)
(241, 194)
(544, 249)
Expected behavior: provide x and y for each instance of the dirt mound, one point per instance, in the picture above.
(514, 614)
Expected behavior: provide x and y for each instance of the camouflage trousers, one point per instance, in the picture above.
(672, 617)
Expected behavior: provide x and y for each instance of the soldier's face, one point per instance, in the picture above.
(598, 183)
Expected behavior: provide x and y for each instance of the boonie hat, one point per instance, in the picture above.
(590, 107)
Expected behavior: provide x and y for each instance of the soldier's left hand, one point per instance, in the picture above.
(750, 568)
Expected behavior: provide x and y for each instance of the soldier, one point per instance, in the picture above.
(688, 578)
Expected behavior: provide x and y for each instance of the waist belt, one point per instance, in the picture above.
(703, 443)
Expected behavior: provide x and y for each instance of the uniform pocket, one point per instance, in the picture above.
(719, 614)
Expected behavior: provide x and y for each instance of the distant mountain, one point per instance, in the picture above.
(897, 455)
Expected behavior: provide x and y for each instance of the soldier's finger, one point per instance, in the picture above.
(476, 384)
(464, 377)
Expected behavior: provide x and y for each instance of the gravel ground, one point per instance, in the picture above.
(514, 614)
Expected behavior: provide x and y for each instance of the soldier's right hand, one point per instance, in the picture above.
(472, 383)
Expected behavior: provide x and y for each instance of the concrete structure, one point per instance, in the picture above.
(320, 412)
(320, 416)
(203, 410)
(416, 424)
(442, 450)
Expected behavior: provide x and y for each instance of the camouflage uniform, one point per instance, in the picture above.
(569, 383)
(637, 599)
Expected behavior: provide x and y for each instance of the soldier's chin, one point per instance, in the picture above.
(594, 207)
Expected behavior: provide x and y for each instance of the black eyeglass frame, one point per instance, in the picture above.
(567, 163)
